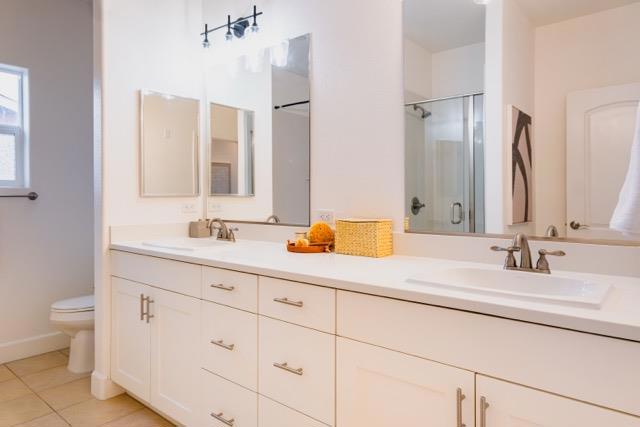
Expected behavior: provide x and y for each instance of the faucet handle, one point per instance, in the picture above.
(543, 252)
(510, 261)
(507, 249)
(543, 263)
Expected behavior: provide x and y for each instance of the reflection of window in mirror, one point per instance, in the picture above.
(231, 151)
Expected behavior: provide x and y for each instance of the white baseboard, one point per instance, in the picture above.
(32, 346)
(103, 388)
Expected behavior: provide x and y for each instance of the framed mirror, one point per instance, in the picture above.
(169, 134)
(516, 122)
(259, 151)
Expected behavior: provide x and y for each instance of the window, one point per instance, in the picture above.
(13, 127)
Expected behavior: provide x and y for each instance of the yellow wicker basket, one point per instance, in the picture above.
(364, 237)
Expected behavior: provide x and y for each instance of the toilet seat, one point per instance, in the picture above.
(74, 305)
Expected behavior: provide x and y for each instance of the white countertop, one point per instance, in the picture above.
(618, 317)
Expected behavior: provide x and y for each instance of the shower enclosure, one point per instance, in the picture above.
(444, 165)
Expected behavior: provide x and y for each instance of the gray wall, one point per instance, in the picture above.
(46, 246)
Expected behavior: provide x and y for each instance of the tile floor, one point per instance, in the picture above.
(41, 392)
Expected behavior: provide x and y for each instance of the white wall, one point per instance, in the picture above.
(356, 88)
(441, 74)
(509, 81)
(458, 71)
(45, 245)
(583, 53)
(150, 45)
(417, 72)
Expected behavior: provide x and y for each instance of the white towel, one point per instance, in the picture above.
(626, 217)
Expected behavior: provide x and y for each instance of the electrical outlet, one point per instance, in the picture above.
(214, 207)
(325, 215)
(189, 208)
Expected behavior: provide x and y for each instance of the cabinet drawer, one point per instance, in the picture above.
(273, 414)
(239, 290)
(297, 368)
(230, 343)
(180, 277)
(306, 305)
(226, 404)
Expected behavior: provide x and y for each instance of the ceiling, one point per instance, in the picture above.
(439, 25)
(544, 12)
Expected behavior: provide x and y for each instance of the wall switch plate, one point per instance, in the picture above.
(325, 215)
(189, 208)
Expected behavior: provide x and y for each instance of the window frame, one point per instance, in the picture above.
(20, 133)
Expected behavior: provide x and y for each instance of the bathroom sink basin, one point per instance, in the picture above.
(186, 244)
(519, 285)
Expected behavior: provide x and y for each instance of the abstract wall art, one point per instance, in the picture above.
(521, 166)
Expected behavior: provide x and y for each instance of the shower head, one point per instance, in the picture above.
(423, 113)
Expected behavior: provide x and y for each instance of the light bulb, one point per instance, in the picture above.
(228, 37)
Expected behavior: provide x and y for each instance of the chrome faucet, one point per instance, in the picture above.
(224, 232)
(521, 244)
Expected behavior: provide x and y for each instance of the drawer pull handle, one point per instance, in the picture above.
(459, 398)
(142, 300)
(222, 287)
(147, 313)
(285, 367)
(220, 343)
(483, 411)
(289, 302)
(222, 419)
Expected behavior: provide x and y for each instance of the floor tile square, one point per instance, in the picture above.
(93, 413)
(51, 378)
(39, 363)
(68, 394)
(22, 409)
(142, 418)
(13, 389)
(5, 373)
(51, 420)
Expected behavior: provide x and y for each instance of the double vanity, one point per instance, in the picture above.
(245, 334)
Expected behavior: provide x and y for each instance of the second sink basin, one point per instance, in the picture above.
(519, 285)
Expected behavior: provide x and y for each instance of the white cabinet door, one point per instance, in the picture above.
(175, 331)
(382, 388)
(130, 337)
(502, 404)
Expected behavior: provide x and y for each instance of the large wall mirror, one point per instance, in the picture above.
(169, 133)
(259, 150)
(519, 117)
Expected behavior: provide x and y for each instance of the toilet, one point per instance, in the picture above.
(75, 317)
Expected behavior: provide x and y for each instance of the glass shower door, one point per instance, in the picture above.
(441, 165)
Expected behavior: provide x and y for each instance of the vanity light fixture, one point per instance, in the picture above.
(482, 2)
(235, 29)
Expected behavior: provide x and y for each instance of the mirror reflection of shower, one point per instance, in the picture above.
(444, 164)
(423, 113)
